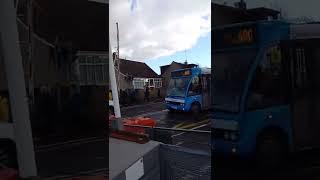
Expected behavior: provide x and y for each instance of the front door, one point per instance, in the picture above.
(206, 84)
(303, 66)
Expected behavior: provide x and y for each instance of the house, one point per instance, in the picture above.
(166, 73)
(66, 43)
(223, 14)
(135, 76)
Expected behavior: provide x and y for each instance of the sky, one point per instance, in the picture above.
(158, 32)
(291, 8)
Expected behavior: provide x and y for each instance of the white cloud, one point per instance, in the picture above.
(156, 28)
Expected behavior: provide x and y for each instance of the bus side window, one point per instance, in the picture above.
(195, 86)
(267, 86)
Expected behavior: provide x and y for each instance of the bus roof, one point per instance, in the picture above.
(248, 23)
(304, 31)
(202, 70)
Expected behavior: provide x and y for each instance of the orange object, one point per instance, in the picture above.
(138, 122)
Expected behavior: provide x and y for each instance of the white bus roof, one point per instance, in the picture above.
(206, 70)
(304, 31)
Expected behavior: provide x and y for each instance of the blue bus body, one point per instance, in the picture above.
(182, 100)
(235, 127)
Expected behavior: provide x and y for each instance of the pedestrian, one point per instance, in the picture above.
(146, 94)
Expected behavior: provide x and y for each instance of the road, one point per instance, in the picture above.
(72, 158)
(180, 120)
(63, 157)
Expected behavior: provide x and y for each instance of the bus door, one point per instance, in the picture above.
(205, 82)
(302, 60)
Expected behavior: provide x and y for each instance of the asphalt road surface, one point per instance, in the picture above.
(177, 120)
(72, 158)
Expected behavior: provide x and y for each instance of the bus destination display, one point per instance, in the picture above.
(234, 37)
(186, 72)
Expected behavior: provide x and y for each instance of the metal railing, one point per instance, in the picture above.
(179, 163)
(189, 138)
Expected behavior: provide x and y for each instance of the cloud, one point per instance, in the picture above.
(153, 28)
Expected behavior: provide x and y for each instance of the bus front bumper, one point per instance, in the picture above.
(180, 107)
(228, 148)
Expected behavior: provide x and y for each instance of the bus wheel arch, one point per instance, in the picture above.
(272, 147)
(195, 108)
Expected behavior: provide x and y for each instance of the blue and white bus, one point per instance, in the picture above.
(266, 90)
(189, 90)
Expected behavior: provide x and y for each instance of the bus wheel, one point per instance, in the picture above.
(195, 109)
(271, 151)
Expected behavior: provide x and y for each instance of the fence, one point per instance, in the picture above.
(180, 163)
(189, 138)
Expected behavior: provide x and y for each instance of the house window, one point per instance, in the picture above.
(93, 69)
(158, 83)
(138, 83)
(151, 84)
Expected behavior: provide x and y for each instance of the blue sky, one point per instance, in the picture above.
(199, 54)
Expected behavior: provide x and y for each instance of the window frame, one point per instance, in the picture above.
(94, 67)
(199, 92)
(275, 79)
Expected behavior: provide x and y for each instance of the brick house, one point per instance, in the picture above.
(134, 76)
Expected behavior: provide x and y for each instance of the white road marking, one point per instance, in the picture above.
(63, 145)
(67, 142)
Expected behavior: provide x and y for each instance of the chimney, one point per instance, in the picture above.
(241, 5)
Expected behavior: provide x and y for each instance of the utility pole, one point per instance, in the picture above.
(11, 54)
(185, 53)
(114, 89)
(118, 57)
(30, 46)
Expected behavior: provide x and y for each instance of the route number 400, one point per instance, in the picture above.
(245, 35)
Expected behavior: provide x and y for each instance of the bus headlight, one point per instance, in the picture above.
(230, 136)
